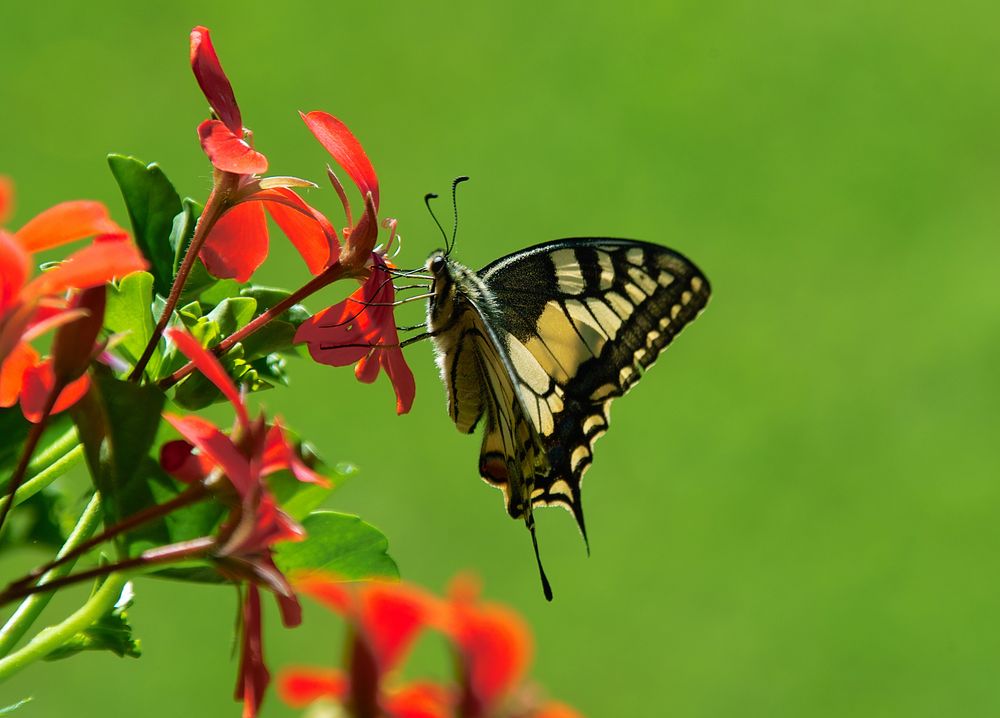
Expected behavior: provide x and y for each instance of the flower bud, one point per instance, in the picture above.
(73, 345)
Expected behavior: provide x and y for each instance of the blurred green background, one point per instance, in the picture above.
(796, 513)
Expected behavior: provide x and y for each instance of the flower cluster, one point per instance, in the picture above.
(491, 645)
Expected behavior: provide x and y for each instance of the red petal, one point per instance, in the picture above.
(66, 222)
(556, 710)
(253, 678)
(419, 700)
(39, 382)
(15, 266)
(237, 244)
(401, 378)
(330, 333)
(279, 454)
(179, 460)
(213, 81)
(215, 445)
(208, 365)
(367, 369)
(311, 233)
(496, 646)
(12, 372)
(345, 149)
(391, 615)
(95, 264)
(6, 198)
(327, 590)
(229, 152)
(298, 687)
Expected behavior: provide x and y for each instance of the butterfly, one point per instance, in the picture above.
(536, 345)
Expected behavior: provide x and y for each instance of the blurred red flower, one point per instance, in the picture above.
(31, 307)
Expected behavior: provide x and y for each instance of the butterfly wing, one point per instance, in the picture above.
(575, 323)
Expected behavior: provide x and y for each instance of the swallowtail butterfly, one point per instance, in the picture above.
(537, 344)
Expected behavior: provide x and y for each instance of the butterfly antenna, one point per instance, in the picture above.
(546, 588)
(427, 201)
(454, 205)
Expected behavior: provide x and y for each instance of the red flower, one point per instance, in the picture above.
(385, 619)
(255, 523)
(238, 240)
(30, 307)
(493, 646)
(362, 328)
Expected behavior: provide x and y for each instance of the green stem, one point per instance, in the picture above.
(215, 206)
(49, 474)
(57, 449)
(32, 606)
(49, 639)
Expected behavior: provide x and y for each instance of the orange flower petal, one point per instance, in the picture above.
(419, 700)
(6, 198)
(99, 262)
(66, 222)
(345, 149)
(12, 372)
(228, 151)
(556, 710)
(213, 370)
(39, 382)
(237, 244)
(213, 81)
(217, 446)
(15, 266)
(311, 233)
(298, 687)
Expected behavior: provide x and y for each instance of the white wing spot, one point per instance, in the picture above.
(652, 337)
(635, 256)
(696, 283)
(686, 297)
(592, 421)
(623, 307)
(642, 279)
(639, 354)
(664, 322)
(634, 293)
(607, 270)
(579, 454)
(603, 391)
(609, 321)
(625, 375)
(675, 310)
(665, 278)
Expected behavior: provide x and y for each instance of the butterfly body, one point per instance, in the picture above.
(537, 344)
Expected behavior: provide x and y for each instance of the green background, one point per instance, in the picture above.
(796, 513)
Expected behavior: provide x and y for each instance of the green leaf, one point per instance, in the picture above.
(232, 314)
(338, 543)
(117, 422)
(130, 312)
(111, 632)
(182, 231)
(152, 204)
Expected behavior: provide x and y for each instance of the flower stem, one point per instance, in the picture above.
(190, 496)
(49, 474)
(34, 436)
(30, 608)
(332, 273)
(216, 204)
(48, 639)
